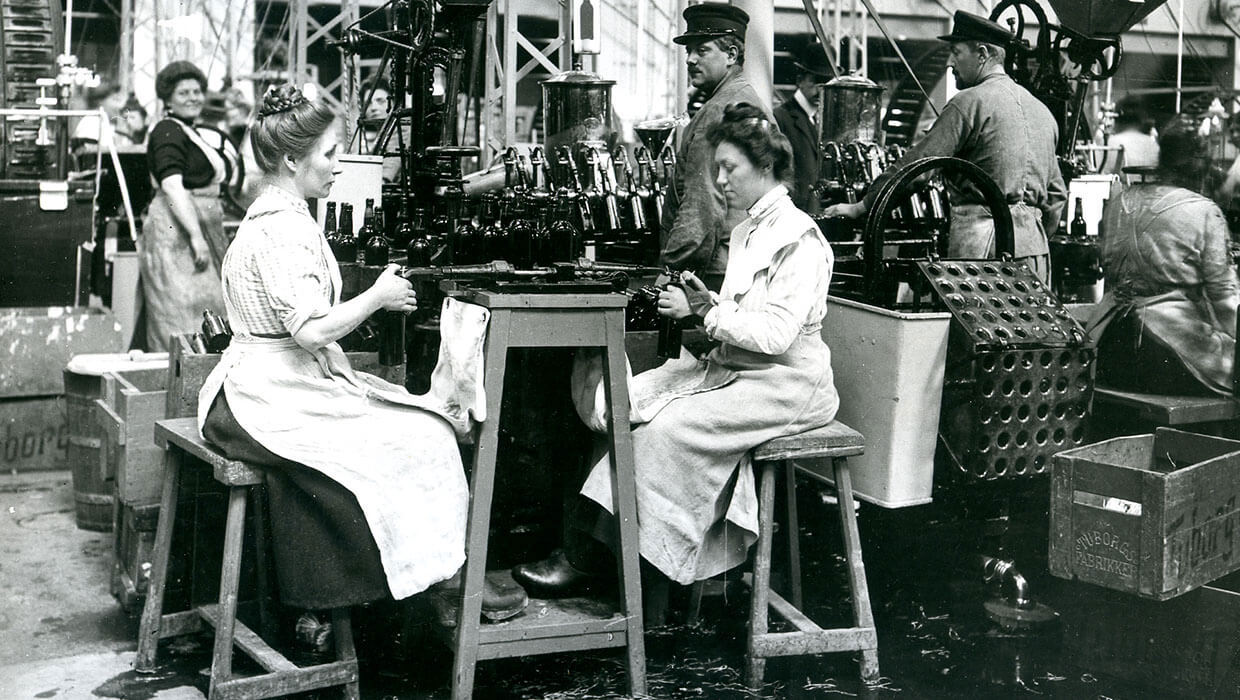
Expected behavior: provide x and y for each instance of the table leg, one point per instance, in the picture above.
(625, 499)
(479, 523)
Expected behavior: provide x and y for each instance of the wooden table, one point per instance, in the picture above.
(551, 320)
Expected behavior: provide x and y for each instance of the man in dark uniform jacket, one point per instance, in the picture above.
(798, 119)
(1003, 129)
(697, 222)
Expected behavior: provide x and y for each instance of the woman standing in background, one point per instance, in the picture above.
(183, 239)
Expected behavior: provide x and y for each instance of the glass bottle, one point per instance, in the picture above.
(330, 232)
(376, 252)
(419, 249)
(565, 238)
(368, 223)
(1078, 228)
(346, 251)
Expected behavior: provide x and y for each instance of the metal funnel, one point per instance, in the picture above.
(655, 134)
(1095, 18)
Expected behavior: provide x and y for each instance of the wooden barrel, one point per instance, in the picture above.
(92, 484)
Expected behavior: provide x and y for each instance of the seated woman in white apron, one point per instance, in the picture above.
(1167, 324)
(368, 493)
(697, 419)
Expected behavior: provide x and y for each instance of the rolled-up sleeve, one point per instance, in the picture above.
(294, 279)
(792, 285)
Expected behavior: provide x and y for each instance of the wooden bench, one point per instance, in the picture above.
(1170, 410)
(807, 455)
(180, 439)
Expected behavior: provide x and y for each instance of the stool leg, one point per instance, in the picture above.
(856, 568)
(794, 532)
(624, 501)
(342, 626)
(266, 616)
(695, 602)
(478, 526)
(230, 574)
(153, 610)
(755, 663)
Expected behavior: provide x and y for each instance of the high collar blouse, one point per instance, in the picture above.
(779, 271)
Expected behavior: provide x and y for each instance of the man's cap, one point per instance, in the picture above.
(967, 26)
(814, 60)
(711, 20)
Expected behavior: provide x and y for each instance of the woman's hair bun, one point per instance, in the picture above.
(280, 98)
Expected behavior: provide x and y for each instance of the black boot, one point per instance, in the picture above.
(501, 600)
(556, 577)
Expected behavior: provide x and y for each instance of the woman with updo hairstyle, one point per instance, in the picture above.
(367, 491)
(1167, 324)
(183, 239)
(697, 419)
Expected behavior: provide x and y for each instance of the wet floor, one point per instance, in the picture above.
(936, 639)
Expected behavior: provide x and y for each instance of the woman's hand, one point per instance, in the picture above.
(848, 211)
(697, 296)
(395, 293)
(672, 303)
(201, 253)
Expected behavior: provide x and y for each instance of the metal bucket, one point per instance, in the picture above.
(576, 108)
(850, 110)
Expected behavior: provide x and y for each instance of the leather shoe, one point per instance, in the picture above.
(554, 577)
(501, 599)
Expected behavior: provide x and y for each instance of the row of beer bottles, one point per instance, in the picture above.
(368, 245)
(536, 234)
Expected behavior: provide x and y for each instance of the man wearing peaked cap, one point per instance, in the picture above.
(798, 119)
(1003, 129)
(697, 222)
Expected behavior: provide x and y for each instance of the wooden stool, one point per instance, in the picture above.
(592, 320)
(836, 442)
(179, 438)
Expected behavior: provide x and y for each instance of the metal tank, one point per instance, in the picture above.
(576, 108)
(850, 110)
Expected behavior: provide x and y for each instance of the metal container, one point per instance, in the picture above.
(576, 108)
(850, 110)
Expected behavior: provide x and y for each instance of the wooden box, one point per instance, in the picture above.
(33, 434)
(1186, 648)
(131, 403)
(1155, 515)
(134, 543)
(38, 343)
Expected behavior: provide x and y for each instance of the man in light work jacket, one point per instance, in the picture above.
(798, 119)
(1004, 130)
(697, 222)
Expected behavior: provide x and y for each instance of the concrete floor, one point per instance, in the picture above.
(62, 635)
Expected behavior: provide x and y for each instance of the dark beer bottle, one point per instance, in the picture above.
(419, 250)
(1078, 227)
(329, 228)
(346, 250)
(376, 252)
(368, 226)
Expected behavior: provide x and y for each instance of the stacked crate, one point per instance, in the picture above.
(30, 35)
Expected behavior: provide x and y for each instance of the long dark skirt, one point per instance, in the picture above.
(325, 556)
(1132, 360)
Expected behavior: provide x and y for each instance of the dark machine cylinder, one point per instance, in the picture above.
(850, 110)
(576, 108)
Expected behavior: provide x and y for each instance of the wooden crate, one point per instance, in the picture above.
(1155, 515)
(133, 546)
(1186, 648)
(131, 403)
(33, 434)
(38, 343)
